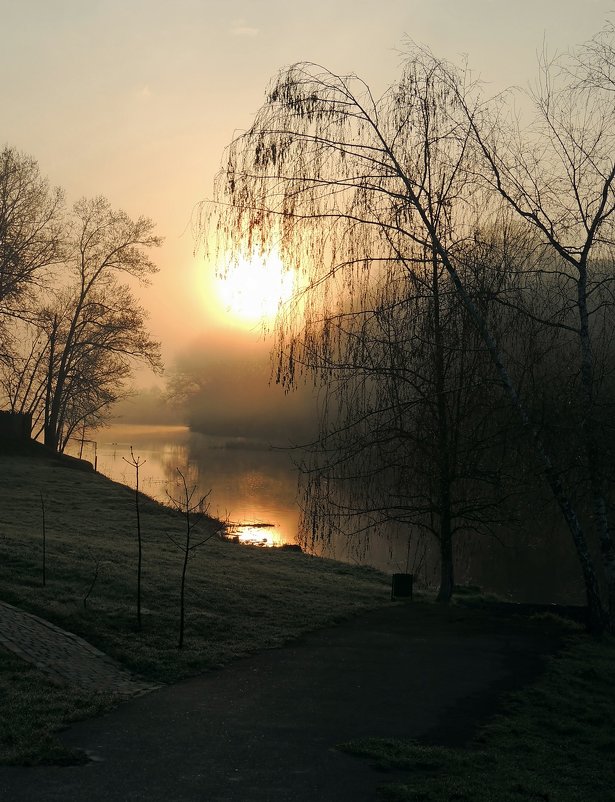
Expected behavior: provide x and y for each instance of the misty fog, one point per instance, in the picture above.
(223, 386)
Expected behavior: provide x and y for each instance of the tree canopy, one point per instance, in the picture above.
(72, 325)
(368, 199)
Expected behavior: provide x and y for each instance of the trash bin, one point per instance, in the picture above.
(401, 586)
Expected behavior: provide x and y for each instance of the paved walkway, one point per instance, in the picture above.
(265, 728)
(65, 658)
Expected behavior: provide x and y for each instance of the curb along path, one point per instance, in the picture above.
(64, 657)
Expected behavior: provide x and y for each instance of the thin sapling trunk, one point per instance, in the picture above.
(44, 540)
(136, 463)
(192, 512)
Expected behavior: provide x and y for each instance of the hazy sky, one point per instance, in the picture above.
(136, 99)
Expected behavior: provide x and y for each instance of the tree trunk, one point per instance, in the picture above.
(48, 429)
(596, 617)
(608, 553)
(180, 642)
(444, 457)
(592, 450)
(139, 545)
(446, 564)
(592, 590)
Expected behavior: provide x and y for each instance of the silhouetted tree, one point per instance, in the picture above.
(353, 192)
(408, 431)
(99, 324)
(73, 354)
(31, 225)
(23, 372)
(556, 173)
(195, 514)
(137, 463)
(379, 321)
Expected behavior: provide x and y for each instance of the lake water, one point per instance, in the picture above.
(255, 491)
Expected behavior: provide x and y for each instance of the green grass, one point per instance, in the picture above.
(33, 709)
(239, 599)
(554, 743)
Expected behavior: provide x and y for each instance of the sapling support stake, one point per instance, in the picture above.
(94, 578)
(44, 539)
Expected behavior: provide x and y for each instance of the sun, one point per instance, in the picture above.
(253, 289)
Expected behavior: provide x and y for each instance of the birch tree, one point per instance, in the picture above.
(556, 173)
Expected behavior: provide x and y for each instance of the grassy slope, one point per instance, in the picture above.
(555, 742)
(239, 599)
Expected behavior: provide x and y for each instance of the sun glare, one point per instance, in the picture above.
(253, 289)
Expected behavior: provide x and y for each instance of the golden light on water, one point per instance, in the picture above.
(254, 535)
(253, 289)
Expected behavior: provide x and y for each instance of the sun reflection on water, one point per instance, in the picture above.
(255, 535)
(254, 491)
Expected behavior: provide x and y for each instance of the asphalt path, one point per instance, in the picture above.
(266, 727)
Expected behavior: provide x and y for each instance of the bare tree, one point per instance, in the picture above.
(557, 174)
(31, 227)
(68, 369)
(409, 441)
(23, 372)
(101, 315)
(194, 513)
(65, 358)
(137, 463)
(319, 156)
(352, 191)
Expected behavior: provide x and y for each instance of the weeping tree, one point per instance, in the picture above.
(377, 323)
(353, 192)
(409, 442)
